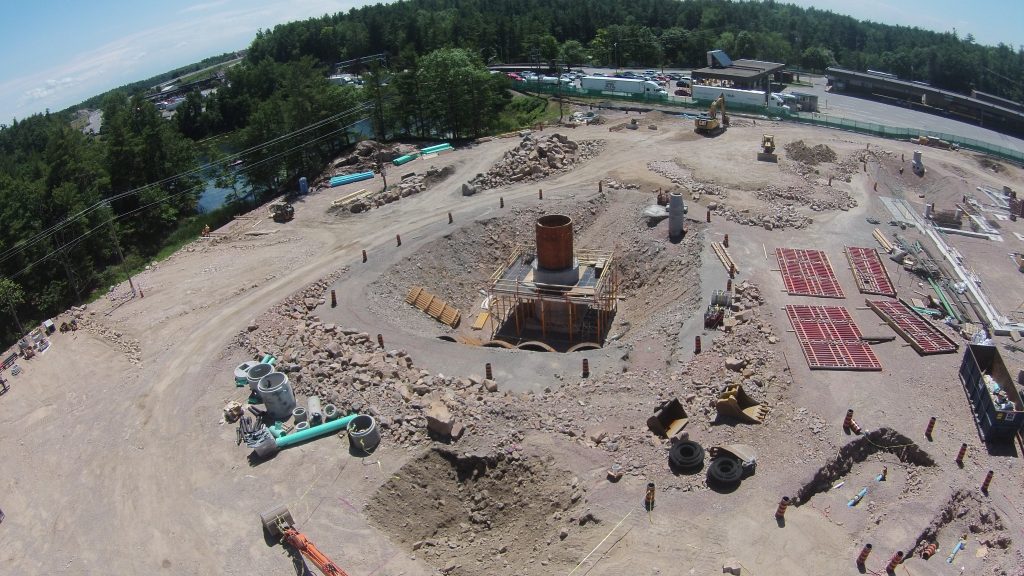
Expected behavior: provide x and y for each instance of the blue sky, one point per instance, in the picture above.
(58, 53)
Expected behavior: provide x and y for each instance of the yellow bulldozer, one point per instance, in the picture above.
(709, 124)
(767, 153)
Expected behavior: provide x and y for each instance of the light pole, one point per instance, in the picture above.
(615, 55)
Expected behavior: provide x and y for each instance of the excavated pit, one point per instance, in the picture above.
(467, 514)
(856, 451)
(658, 280)
(965, 512)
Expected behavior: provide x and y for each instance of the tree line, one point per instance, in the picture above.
(649, 33)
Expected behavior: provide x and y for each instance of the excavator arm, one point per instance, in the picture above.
(298, 540)
(278, 523)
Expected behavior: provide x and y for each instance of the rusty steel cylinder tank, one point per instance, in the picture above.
(554, 242)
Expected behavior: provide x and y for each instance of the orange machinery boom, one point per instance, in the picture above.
(278, 523)
(298, 540)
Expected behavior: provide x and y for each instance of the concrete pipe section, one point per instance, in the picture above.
(299, 427)
(316, 414)
(276, 393)
(363, 433)
(331, 412)
(256, 373)
(556, 262)
(299, 414)
(554, 242)
(675, 215)
(242, 372)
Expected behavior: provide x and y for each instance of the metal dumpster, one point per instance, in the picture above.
(996, 403)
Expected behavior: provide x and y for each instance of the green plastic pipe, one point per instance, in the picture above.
(942, 297)
(273, 445)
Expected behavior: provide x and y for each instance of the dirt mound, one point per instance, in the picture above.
(800, 152)
(537, 158)
(881, 440)
(464, 514)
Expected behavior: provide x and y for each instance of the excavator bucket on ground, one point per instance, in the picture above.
(669, 419)
(276, 520)
(734, 402)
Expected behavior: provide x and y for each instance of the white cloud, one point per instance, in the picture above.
(49, 88)
(203, 7)
(200, 31)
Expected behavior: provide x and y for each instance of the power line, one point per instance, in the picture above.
(46, 233)
(139, 209)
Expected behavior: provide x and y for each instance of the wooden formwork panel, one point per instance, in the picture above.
(808, 273)
(433, 306)
(869, 271)
(912, 327)
(830, 339)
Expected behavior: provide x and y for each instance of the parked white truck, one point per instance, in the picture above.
(622, 85)
(735, 96)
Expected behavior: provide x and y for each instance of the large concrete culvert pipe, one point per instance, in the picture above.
(554, 242)
(276, 393)
(242, 372)
(256, 373)
(675, 215)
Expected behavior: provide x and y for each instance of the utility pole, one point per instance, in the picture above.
(117, 246)
(71, 276)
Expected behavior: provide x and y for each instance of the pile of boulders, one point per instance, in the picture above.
(88, 321)
(836, 199)
(683, 177)
(801, 152)
(616, 185)
(537, 158)
(774, 218)
(409, 184)
(366, 156)
(855, 162)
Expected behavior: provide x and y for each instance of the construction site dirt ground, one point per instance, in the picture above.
(116, 460)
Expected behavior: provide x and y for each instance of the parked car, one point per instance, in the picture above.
(661, 78)
(514, 76)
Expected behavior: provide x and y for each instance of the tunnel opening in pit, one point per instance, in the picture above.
(550, 295)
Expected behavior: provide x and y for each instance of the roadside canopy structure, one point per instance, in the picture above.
(745, 74)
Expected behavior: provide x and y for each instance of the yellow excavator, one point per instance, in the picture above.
(709, 123)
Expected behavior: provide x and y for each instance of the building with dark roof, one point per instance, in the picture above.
(743, 74)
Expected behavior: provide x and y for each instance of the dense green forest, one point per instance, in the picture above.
(67, 199)
(649, 33)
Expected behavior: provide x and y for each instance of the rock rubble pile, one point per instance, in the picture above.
(537, 158)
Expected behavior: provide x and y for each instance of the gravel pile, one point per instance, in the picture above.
(684, 177)
(536, 159)
(834, 199)
(800, 152)
(410, 183)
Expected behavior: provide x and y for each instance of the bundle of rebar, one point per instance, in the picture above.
(251, 431)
